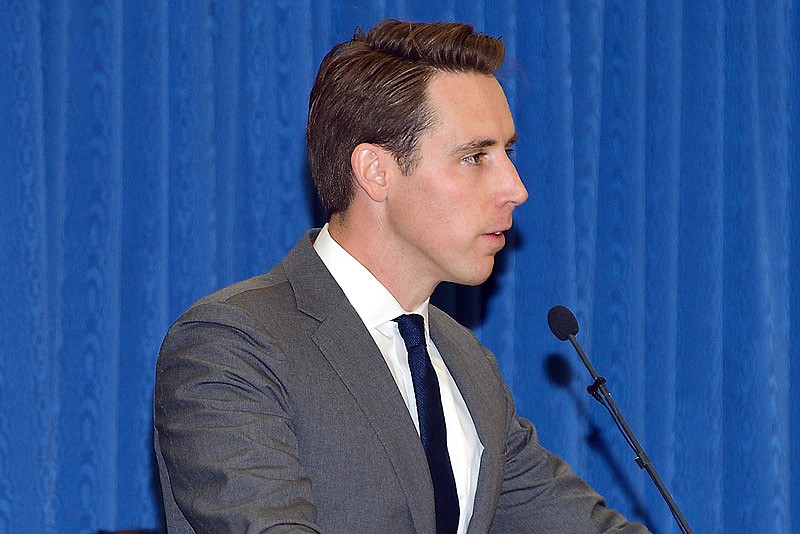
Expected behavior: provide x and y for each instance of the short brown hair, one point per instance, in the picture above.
(372, 89)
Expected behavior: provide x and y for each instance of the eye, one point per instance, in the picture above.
(474, 159)
(510, 151)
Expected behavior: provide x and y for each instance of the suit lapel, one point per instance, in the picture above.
(476, 380)
(471, 370)
(347, 345)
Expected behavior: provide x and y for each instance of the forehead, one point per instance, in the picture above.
(470, 105)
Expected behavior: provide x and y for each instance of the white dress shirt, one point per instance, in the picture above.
(378, 308)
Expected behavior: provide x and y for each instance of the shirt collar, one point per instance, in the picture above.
(371, 300)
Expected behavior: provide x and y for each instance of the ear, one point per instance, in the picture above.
(369, 164)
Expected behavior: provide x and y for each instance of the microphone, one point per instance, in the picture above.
(562, 322)
(564, 325)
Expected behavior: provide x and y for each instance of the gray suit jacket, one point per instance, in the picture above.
(275, 412)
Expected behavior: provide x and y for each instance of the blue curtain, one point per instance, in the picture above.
(151, 152)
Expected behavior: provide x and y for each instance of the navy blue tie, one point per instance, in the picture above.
(432, 428)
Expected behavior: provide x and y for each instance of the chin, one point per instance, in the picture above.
(474, 278)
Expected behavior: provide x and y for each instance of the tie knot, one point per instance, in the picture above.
(412, 329)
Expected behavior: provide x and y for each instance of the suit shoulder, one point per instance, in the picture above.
(241, 293)
(258, 299)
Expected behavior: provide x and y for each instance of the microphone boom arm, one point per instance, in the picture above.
(600, 392)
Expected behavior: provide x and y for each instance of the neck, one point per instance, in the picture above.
(368, 243)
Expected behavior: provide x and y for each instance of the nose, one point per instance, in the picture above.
(516, 192)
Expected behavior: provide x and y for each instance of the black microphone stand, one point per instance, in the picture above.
(600, 392)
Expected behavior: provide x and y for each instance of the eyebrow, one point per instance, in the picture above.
(482, 143)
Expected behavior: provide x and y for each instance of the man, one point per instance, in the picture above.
(327, 395)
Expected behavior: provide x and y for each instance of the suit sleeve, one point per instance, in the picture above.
(227, 453)
(541, 493)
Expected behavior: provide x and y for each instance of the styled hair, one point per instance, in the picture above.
(372, 89)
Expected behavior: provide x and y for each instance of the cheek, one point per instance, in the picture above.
(449, 197)
(442, 202)
(442, 216)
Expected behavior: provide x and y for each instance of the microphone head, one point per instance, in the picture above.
(562, 322)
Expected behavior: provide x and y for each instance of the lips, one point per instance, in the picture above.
(498, 239)
(499, 232)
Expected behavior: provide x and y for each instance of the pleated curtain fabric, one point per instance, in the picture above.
(151, 152)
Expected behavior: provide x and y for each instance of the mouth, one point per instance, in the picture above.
(498, 233)
(498, 239)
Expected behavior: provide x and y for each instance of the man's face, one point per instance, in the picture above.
(448, 217)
